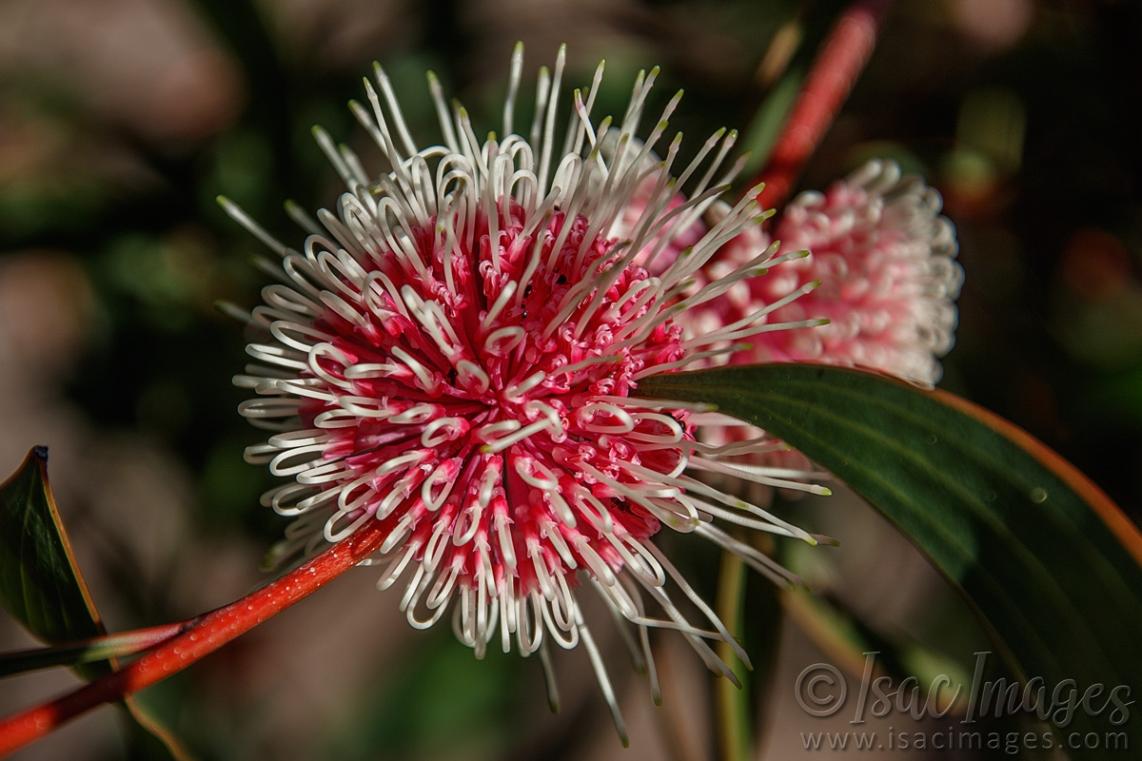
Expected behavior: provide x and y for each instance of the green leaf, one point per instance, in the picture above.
(41, 586)
(767, 123)
(39, 583)
(1050, 564)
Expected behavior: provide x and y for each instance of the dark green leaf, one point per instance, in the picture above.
(1047, 560)
(40, 584)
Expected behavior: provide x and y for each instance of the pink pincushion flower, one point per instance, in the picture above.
(884, 259)
(456, 353)
(660, 252)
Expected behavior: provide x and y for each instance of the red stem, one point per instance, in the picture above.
(842, 57)
(203, 637)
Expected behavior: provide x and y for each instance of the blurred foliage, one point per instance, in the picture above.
(469, 701)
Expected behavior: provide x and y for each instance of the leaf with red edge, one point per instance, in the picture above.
(42, 588)
(1051, 565)
(39, 582)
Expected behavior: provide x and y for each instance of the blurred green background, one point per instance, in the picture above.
(120, 121)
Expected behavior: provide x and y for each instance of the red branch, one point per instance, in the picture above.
(842, 57)
(203, 637)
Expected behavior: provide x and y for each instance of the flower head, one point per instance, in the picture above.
(884, 259)
(456, 353)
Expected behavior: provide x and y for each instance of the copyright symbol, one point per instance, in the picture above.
(820, 690)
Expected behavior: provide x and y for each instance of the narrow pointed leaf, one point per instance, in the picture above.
(42, 588)
(1049, 562)
(39, 583)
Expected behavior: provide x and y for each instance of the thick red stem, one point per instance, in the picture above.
(842, 57)
(205, 636)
